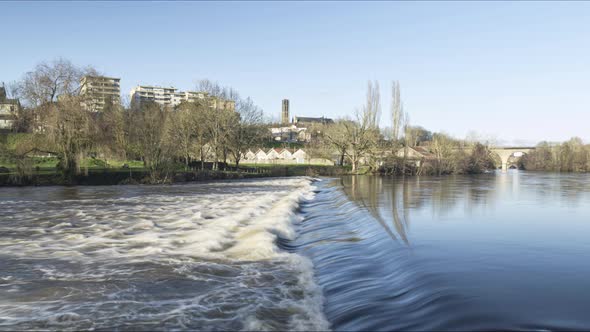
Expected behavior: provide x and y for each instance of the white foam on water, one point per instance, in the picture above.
(234, 223)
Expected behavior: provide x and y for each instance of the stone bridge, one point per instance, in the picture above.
(505, 152)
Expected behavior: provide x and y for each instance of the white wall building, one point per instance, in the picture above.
(300, 156)
(261, 155)
(8, 109)
(278, 156)
(250, 155)
(285, 154)
(273, 153)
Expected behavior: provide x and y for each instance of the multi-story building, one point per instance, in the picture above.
(172, 97)
(222, 104)
(193, 96)
(157, 94)
(8, 109)
(99, 90)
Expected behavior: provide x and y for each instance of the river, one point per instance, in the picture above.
(496, 251)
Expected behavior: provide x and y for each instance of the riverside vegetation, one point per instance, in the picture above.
(164, 141)
(149, 143)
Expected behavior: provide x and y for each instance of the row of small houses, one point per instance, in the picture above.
(296, 156)
(283, 156)
(289, 156)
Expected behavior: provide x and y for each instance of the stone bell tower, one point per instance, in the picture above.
(285, 112)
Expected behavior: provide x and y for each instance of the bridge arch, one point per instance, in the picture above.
(506, 152)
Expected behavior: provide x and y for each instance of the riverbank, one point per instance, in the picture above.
(121, 176)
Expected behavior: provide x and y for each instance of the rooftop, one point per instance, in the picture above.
(102, 77)
(312, 119)
(3, 98)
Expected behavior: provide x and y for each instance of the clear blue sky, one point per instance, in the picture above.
(517, 71)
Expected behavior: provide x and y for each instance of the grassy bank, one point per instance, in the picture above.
(121, 176)
(44, 176)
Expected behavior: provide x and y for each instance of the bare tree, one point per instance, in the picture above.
(407, 140)
(69, 130)
(183, 129)
(113, 135)
(570, 156)
(148, 134)
(443, 150)
(210, 116)
(372, 109)
(396, 109)
(213, 89)
(418, 135)
(362, 136)
(201, 133)
(246, 129)
(217, 125)
(337, 135)
(318, 145)
(357, 137)
(50, 80)
(218, 118)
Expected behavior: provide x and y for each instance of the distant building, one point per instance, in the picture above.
(310, 120)
(250, 155)
(299, 156)
(273, 153)
(192, 96)
(417, 154)
(285, 112)
(172, 97)
(280, 156)
(223, 104)
(295, 131)
(98, 90)
(157, 94)
(289, 134)
(260, 155)
(286, 154)
(8, 109)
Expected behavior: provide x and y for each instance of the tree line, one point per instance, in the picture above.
(161, 137)
(570, 156)
(360, 141)
(187, 136)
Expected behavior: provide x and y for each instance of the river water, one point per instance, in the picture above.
(496, 251)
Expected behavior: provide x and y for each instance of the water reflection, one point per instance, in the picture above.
(496, 251)
(390, 200)
(369, 193)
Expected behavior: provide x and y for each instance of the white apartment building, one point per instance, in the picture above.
(172, 97)
(164, 96)
(160, 95)
(193, 95)
(98, 90)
